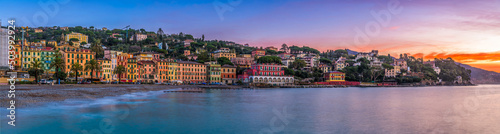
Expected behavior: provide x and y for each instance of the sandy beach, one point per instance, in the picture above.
(33, 95)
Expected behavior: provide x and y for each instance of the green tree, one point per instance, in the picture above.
(58, 64)
(269, 59)
(224, 61)
(325, 60)
(60, 75)
(386, 59)
(35, 69)
(119, 70)
(339, 53)
(92, 66)
(74, 39)
(298, 64)
(387, 66)
(97, 48)
(76, 67)
(271, 52)
(289, 71)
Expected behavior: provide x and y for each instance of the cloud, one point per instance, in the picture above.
(464, 57)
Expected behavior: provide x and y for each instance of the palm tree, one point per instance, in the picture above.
(58, 63)
(36, 69)
(97, 48)
(92, 66)
(75, 68)
(119, 70)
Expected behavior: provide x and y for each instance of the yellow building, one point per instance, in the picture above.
(81, 56)
(38, 30)
(213, 72)
(53, 43)
(106, 73)
(42, 55)
(172, 70)
(132, 70)
(224, 52)
(81, 37)
(146, 56)
(334, 76)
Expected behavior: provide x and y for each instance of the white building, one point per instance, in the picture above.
(139, 37)
(272, 80)
(4, 47)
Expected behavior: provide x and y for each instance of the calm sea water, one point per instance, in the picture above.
(333, 110)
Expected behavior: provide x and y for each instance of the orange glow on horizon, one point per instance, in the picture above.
(486, 61)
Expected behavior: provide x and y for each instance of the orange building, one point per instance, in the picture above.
(191, 72)
(161, 71)
(228, 74)
(81, 56)
(146, 71)
(259, 53)
(122, 60)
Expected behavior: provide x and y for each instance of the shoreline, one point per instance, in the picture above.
(35, 95)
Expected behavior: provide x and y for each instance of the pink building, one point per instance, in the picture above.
(146, 71)
(272, 74)
(242, 62)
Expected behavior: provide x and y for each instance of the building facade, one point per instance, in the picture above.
(334, 76)
(146, 71)
(81, 37)
(213, 73)
(80, 56)
(106, 73)
(272, 74)
(192, 72)
(228, 74)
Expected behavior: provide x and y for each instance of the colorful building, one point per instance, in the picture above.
(213, 73)
(106, 73)
(161, 72)
(325, 68)
(172, 75)
(81, 37)
(228, 74)
(147, 56)
(139, 37)
(243, 62)
(81, 56)
(392, 72)
(42, 55)
(192, 72)
(340, 63)
(53, 43)
(147, 71)
(224, 52)
(17, 57)
(258, 53)
(334, 76)
(122, 60)
(272, 74)
(132, 70)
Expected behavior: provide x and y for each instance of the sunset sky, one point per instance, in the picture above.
(466, 30)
